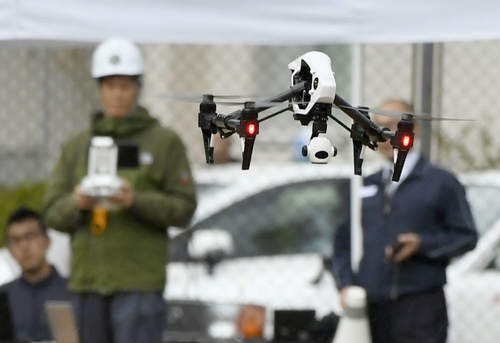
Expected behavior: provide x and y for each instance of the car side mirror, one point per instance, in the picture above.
(210, 246)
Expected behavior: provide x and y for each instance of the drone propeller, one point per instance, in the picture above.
(261, 105)
(199, 98)
(419, 116)
(226, 103)
(241, 102)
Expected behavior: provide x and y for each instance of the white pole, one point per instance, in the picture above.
(356, 180)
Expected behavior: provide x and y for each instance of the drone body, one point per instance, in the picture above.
(311, 97)
(315, 68)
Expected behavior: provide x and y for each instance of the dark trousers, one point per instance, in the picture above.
(120, 318)
(415, 318)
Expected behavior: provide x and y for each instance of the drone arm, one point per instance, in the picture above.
(281, 97)
(375, 132)
(223, 121)
(237, 122)
(284, 96)
(274, 114)
(402, 139)
(211, 123)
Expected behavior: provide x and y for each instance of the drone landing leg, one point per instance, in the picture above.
(247, 153)
(357, 147)
(209, 149)
(399, 163)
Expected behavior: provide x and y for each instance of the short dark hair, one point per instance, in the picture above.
(25, 213)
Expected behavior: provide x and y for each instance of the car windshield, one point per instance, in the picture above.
(295, 218)
(301, 217)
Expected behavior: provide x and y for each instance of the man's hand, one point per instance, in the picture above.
(125, 197)
(343, 296)
(410, 243)
(82, 199)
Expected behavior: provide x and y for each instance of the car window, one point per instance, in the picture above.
(485, 205)
(300, 217)
(494, 262)
(291, 219)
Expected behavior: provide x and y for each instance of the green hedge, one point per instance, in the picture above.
(29, 195)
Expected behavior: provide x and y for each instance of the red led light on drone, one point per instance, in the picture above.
(406, 141)
(251, 129)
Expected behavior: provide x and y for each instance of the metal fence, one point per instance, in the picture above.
(47, 95)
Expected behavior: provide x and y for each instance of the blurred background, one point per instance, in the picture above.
(47, 95)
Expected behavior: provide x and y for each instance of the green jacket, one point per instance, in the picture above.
(132, 254)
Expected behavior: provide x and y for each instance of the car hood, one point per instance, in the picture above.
(300, 280)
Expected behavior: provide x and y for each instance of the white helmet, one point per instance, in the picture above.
(117, 56)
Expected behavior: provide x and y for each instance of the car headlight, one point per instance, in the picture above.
(251, 321)
(202, 321)
(237, 321)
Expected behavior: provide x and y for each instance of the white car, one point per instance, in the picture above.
(258, 242)
(280, 221)
(473, 289)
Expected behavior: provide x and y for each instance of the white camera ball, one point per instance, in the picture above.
(319, 150)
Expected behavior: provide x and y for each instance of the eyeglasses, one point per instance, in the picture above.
(29, 237)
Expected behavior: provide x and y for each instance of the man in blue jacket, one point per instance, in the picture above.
(426, 215)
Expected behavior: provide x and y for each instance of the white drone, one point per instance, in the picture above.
(311, 96)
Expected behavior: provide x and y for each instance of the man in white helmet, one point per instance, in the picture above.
(118, 269)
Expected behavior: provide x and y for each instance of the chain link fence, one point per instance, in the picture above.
(47, 95)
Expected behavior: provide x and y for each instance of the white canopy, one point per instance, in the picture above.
(268, 22)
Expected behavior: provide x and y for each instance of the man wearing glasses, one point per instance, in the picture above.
(28, 242)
